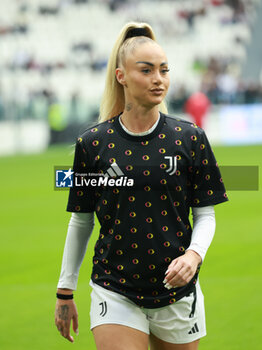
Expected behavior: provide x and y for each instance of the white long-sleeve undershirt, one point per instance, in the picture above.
(204, 225)
(79, 231)
(81, 226)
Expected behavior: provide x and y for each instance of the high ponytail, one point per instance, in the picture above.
(113, 100)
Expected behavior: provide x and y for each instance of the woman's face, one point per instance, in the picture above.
(145, 75)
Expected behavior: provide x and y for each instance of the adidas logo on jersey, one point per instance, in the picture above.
(114, 171)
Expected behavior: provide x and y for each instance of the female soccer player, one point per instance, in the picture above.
(144, 171)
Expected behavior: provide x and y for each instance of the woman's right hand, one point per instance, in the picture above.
(66, 311)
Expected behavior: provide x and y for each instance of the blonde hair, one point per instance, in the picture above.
(113, 99)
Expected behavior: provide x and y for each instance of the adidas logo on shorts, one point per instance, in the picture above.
(194, 329)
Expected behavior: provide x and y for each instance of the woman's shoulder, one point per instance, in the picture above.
(179, 124)
(96, 129)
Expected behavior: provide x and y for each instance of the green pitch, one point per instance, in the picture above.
(33, 229)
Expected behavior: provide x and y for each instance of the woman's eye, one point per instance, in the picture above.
(146, 70)
(164, 71)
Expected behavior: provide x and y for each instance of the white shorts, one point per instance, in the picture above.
(174, 323)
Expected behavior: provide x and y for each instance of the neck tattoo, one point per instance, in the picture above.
(129, 106)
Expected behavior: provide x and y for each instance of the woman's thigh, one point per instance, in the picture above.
(110, 308)
(158, 344)
(117, 337)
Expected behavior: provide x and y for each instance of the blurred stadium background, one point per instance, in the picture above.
(53, 56)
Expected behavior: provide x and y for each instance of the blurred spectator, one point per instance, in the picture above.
(16, 28)
(74, 107)
(217, 2)
(98, 64)
(114, 5)
(178, 98)
(82, 46)
(209, 86)
(238, 9)
(80, 1)
(2, 111)
(48, 10)
(57, 122)
(253, 93)
(189, 16)
(227, 88)
(197, 106)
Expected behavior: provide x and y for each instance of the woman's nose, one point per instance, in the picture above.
(157, 78)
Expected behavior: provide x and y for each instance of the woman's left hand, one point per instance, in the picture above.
(182, 270)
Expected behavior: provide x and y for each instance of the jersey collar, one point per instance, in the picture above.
(149, 136)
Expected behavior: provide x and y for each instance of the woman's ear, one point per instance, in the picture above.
(120, 76)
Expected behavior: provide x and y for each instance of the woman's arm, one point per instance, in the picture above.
(204, 225)
(79, 231)
(182, 269)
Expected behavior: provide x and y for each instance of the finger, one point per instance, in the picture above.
(59, 327)
(70, 338)
(178, 277)
(172, 265)
(173, 270)
(180, 263)
(66, 333)
(184, 276)
(66, 329)
(180, 281)
(75, 324)
(61, 330)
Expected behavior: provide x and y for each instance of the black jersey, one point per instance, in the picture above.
(144, 222)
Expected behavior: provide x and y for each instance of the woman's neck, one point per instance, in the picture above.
(138, 119)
